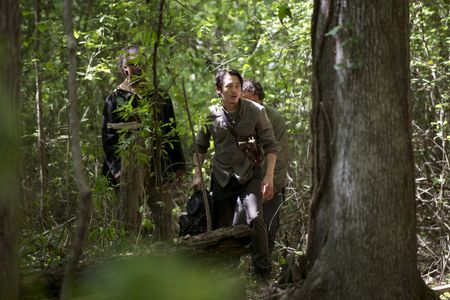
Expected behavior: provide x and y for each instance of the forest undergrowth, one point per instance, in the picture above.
(44, 252)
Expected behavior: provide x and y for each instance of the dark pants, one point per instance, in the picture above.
(224, 208)
(271, 212)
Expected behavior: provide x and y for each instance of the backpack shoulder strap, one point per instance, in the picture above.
(227, 121)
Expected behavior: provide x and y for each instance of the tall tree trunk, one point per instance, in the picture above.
(160, 201)
(9, 146)
(362, 234)
(39, 111)
(83, 187)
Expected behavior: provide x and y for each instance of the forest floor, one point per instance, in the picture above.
(154, 273)
(139, 267)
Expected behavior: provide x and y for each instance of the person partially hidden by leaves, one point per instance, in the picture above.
(120, 106)
(235, 125)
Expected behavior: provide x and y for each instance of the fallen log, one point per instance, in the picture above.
(230, 240)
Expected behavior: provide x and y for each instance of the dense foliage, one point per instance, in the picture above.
(265, 40)
(430, 71)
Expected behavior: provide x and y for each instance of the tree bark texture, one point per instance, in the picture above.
(362, 234)
(131, 190)
(9, 147)
(161, 206)
(83, 187)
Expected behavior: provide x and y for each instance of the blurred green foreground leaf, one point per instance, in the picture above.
(159, 278)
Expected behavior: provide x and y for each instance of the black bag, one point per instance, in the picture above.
(194, 221)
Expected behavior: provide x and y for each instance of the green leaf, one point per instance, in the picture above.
(42, 26)
(334, 31)
(283, 12)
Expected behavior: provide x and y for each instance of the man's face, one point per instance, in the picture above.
(132, 66)
(231, 89)
(252, 97)
(133, 70)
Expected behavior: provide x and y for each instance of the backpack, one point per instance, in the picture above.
(193, 222)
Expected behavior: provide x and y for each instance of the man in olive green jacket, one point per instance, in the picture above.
(253, 90)
(235, 177)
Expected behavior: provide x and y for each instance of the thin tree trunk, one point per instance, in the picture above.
(160, 201)
(84, 190)
(39, 111)
(362, 234)
(9, 147)
(156, 100)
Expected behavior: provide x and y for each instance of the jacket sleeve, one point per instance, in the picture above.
(281, 134)
(265, 133)
(110, 137)
(173, 148)
(202, 139)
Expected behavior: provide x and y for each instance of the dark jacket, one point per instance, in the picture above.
(172, 159)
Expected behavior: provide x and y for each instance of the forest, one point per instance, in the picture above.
(363, 88)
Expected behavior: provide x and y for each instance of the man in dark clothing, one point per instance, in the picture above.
(235, 177)
(129, 93)
(110, 136)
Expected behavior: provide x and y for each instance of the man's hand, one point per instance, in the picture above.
(267, 188)
(117, 176)
(267, 182)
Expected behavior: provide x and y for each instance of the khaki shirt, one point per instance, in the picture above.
(279, 129)
(229, 159)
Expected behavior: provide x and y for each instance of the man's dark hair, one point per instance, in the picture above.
(221, 74)
(253, 87)
(123, 58)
